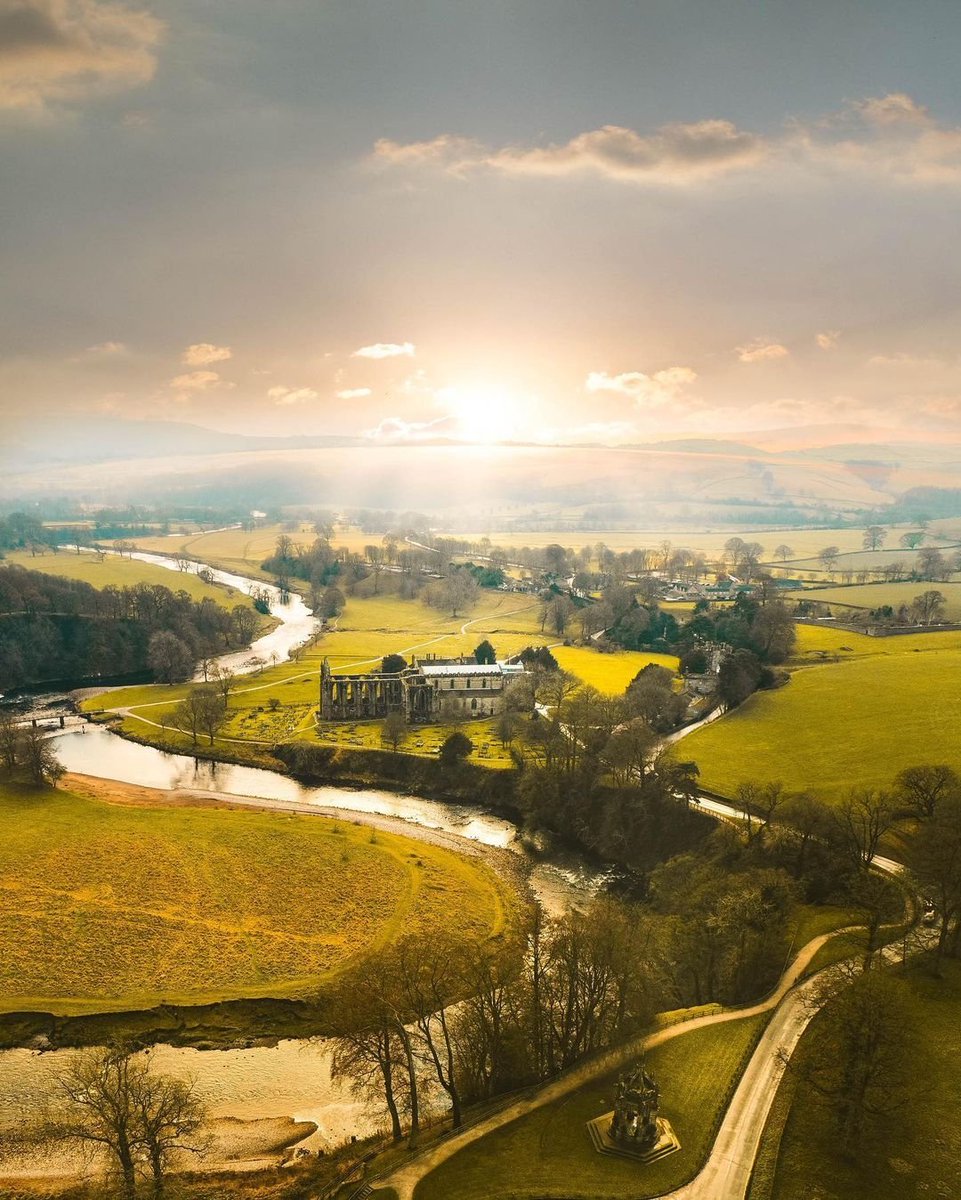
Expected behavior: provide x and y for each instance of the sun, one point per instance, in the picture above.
(484, 412)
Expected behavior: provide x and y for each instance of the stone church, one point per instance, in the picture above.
(428, 690)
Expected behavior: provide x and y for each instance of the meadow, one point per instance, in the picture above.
(237, 550)
(548, 1153)
(876, 595)
(889, 703)
(798, 1159)
(141, 903)
(119, 572)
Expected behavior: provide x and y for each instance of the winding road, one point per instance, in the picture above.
(726, 1174)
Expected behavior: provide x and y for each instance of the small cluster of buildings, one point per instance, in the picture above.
(430, 689)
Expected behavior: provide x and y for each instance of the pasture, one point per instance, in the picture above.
(118, 572)
(609, 673)
(548, 1153)
(852, 723)
(799, 1158)
(869, 596)
(142, 902)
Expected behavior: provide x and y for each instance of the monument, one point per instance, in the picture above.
(633, 1129)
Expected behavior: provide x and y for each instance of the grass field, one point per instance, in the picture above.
(236, 550)
(549, 1152)
(922, 1159)
(876, 595)
(134, 904)
(853, 723)
(115, 571)
(609, 673)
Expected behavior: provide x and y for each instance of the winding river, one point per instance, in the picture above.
(292, 1078)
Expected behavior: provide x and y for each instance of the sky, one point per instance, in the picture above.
(610, 221)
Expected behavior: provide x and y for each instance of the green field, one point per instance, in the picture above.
(876, 595)
(609, 673)
(237, 550)
(549, 1152)
(853, 723)
(921, 1159)
(115, 571)
(138, 903)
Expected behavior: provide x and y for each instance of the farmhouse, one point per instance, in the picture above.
(428, 690)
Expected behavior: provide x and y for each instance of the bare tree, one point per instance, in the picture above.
(111, 1099)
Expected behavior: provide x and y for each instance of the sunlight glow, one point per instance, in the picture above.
(485, 412)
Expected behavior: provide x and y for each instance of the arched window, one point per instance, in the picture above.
(473, 704)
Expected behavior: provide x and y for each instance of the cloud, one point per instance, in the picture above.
(101, 350)
(889, 136)
(202, 354)
(761, 350)
(285, 395)
(395, 429)
(386, 350)
(353, 393)
(63, 51)
(828, 339)
(913, 362)
(649, 391)
(676, 153)
(198, 381)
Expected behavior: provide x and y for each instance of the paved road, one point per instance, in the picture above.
(727, 1172)
(405, 1178)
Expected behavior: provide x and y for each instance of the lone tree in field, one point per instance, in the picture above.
(455, 749)
(112, 1099)
(874, 537)
(394, 729)
(828, 557)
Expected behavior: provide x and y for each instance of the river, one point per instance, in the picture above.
(292, 1078)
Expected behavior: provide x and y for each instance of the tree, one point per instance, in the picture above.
(828, 557)
(111, 1098)
(395, 729)
(202, 711)
(211, 710)
(9, 740)
(934, 857)
(861, 1055)
(244, 623)
(455, 592)
(333, 603)
(922, 788)
(911, 541)
(932, 564)
(484, 653)
(738, 677)
(928, 607)
(874, 537)
(393, 664)
(168, 1112)
(860, 822)
(783, 552)
(36, 755)
(170, 659)
(506, 725)
(455, 748)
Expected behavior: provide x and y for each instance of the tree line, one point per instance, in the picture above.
(53, 628)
